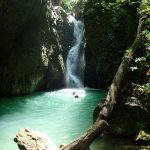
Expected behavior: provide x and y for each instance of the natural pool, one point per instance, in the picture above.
(58, 114)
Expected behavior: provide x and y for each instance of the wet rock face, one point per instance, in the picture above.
(58, 39)
(32, 52)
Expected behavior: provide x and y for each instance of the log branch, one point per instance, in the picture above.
(84, 141)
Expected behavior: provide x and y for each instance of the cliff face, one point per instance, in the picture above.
(110, 28)
(31, 50)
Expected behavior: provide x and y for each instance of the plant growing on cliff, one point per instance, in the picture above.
(71, 4)
(141, 64)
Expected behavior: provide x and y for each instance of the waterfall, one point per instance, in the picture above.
(75, 59)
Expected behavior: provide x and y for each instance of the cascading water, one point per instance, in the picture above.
(75, 59)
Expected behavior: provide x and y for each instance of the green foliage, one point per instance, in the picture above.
(141, 62)
(142, 136)
(71, 4)
(144, 7)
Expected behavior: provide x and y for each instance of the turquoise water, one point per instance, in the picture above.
(58, 114)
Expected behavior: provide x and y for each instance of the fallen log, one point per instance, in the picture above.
(85, 140)
(101, 123)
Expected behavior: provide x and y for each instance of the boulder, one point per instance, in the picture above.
(33, 140)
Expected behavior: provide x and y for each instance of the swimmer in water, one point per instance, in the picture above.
(75, 94)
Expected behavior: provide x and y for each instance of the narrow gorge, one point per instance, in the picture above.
(75, 74)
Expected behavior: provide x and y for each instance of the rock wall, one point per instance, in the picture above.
(31, 51)
(110, 28)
